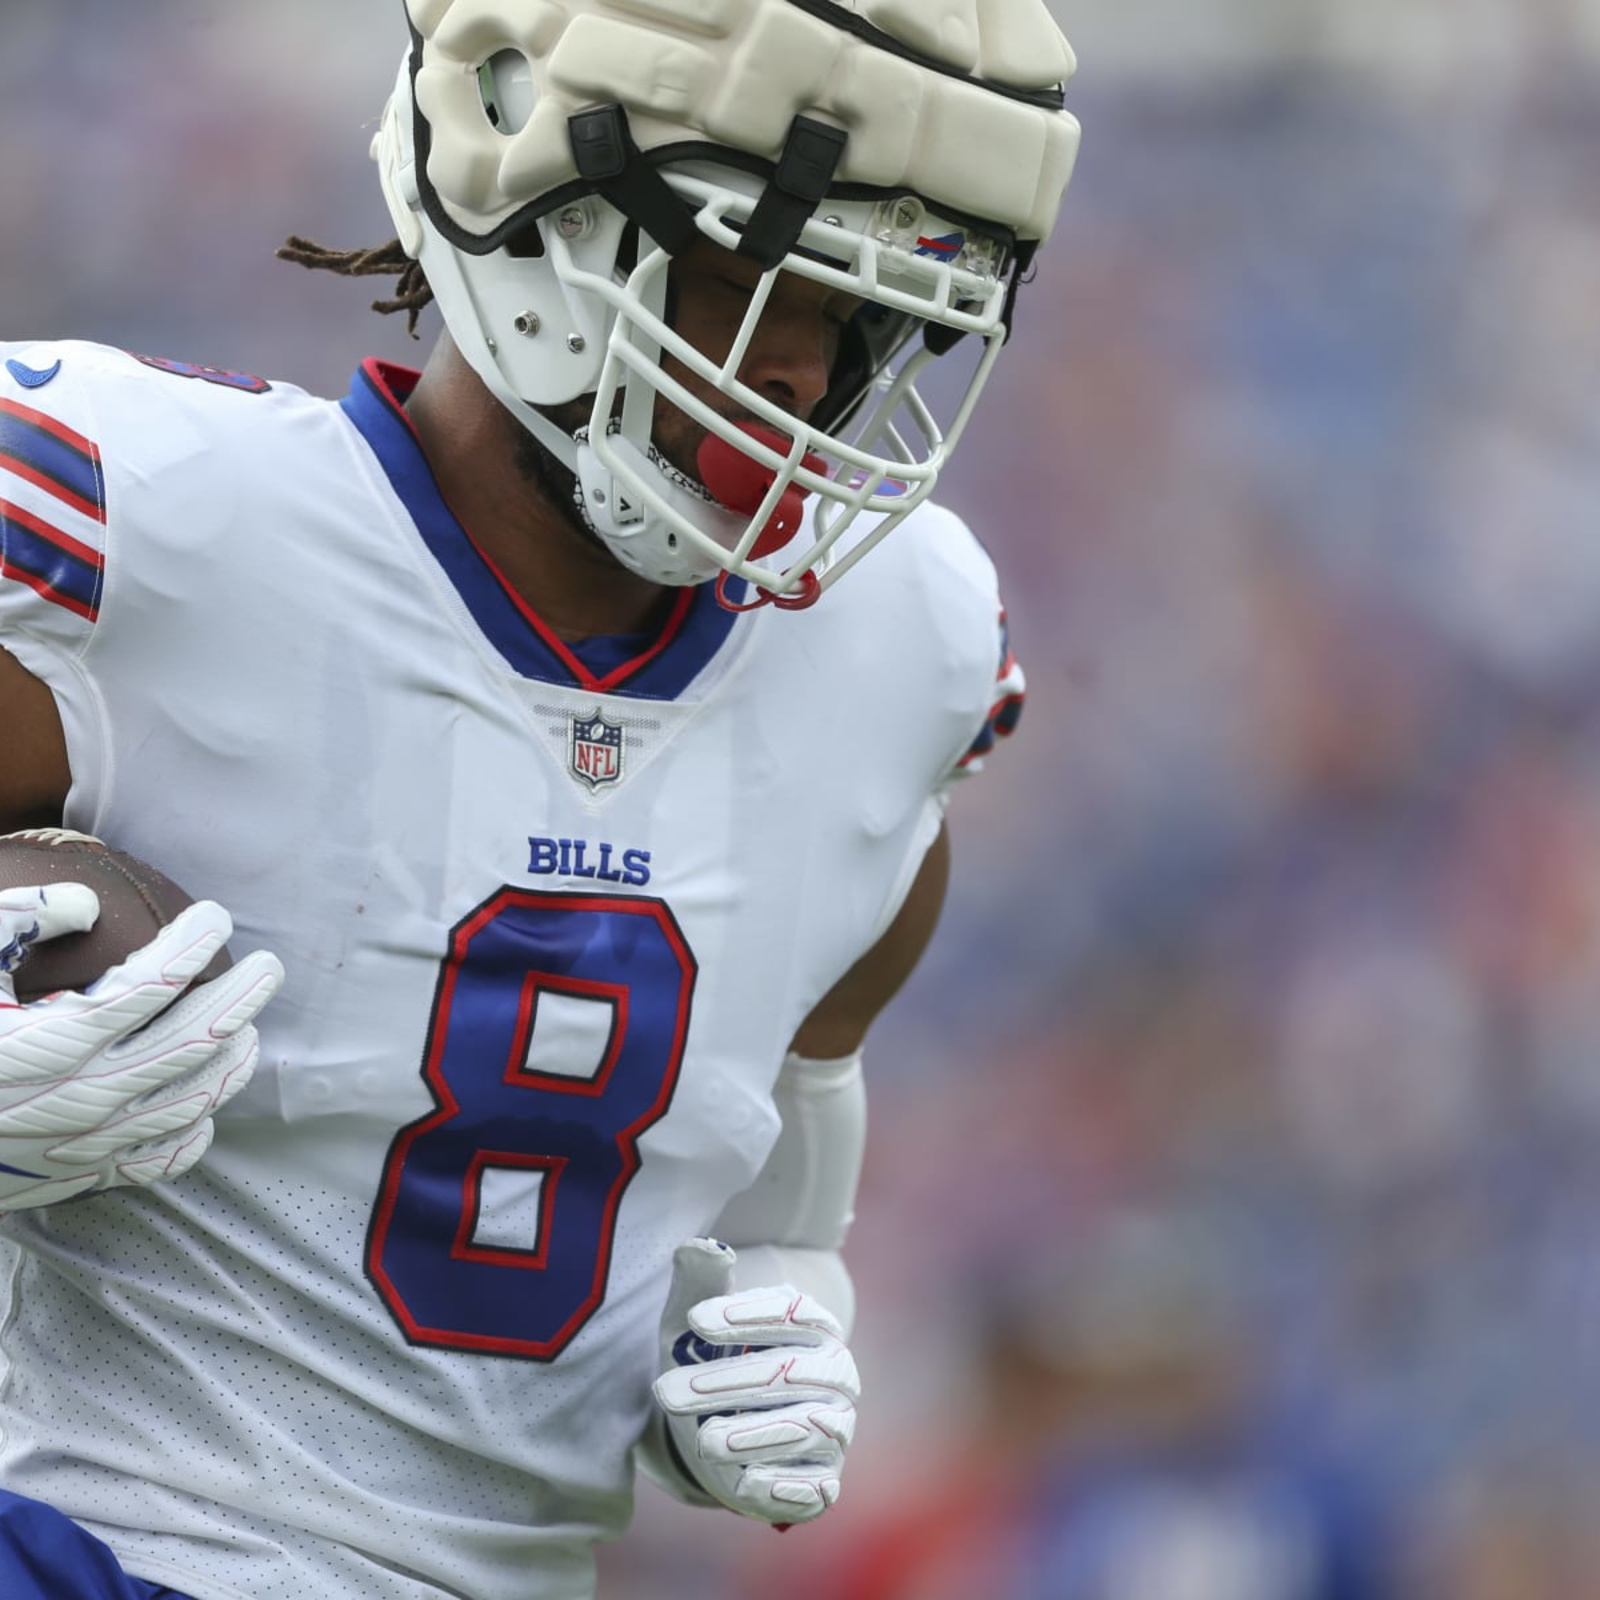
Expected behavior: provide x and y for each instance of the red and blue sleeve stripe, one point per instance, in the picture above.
(52, 457)
(1006, 711)
(37, 547)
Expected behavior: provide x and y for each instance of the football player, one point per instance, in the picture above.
(568, 729)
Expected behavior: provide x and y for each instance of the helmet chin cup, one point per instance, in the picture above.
(618, 506)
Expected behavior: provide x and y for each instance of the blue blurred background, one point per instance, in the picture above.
(1228, 1228)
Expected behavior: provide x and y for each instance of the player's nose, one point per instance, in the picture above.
(790, 359)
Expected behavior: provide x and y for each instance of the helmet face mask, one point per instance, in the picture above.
(566, 296)
(864, 472)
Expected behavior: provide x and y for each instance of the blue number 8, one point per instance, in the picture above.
(562, 1135)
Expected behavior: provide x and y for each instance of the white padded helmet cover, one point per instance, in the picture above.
(954, 100)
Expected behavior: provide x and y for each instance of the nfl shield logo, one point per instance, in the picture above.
(594, 750)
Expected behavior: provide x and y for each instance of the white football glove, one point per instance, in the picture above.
(760, 1392)
(118, 1085)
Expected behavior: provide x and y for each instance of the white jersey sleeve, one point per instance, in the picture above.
(53, 509)
(110, 504)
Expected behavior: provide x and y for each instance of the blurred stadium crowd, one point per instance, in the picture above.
(1229, 1224)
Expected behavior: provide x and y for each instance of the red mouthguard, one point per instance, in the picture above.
(741, 483)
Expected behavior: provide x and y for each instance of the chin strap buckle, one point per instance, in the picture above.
(809, 592)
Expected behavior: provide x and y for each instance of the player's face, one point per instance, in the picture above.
(789, 360)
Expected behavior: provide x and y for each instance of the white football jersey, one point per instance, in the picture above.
(550, 918)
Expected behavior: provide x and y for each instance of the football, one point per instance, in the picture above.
(136, 902)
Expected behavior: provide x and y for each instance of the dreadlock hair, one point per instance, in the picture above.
(411, 292)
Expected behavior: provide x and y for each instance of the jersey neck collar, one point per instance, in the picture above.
(657, 666)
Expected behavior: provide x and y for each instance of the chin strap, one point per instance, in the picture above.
(604, 152)
(809, 593)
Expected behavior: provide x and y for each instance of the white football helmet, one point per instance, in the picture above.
(544, 160)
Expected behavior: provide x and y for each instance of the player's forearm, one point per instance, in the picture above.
(790, 1224)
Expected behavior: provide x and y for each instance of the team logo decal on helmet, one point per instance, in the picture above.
(545, 160)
